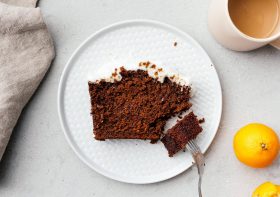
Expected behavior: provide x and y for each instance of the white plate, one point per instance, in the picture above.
(136, 161)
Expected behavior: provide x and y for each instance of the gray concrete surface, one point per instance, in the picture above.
(38, 160)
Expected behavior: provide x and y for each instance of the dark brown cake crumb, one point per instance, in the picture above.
(202, 120)
(178, 136)
(175, 44)
(134, 108)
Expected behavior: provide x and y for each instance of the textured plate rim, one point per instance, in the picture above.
(61, 89)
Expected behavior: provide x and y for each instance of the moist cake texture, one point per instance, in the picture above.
(136, 106)
(178, 136)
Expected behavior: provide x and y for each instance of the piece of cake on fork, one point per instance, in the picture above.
(178, 136)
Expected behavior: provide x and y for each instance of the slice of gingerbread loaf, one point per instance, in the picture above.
(136, 106)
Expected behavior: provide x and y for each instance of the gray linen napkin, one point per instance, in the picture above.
(26, 52)
(23, 3)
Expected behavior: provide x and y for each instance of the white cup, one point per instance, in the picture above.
(227, 34)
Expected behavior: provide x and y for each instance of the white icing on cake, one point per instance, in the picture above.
(112, 73)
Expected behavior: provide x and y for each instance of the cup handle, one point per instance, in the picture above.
(276, 44)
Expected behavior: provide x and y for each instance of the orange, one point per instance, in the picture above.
(267, 189)
(256, 145)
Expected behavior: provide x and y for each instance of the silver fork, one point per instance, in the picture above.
(199, 161)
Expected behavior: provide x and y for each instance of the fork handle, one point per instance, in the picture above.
(199, 160)
(199, 184)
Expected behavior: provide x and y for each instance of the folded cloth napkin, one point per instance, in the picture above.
(23, 3)
(26, 52)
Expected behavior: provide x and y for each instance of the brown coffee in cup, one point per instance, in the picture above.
(255, 18)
